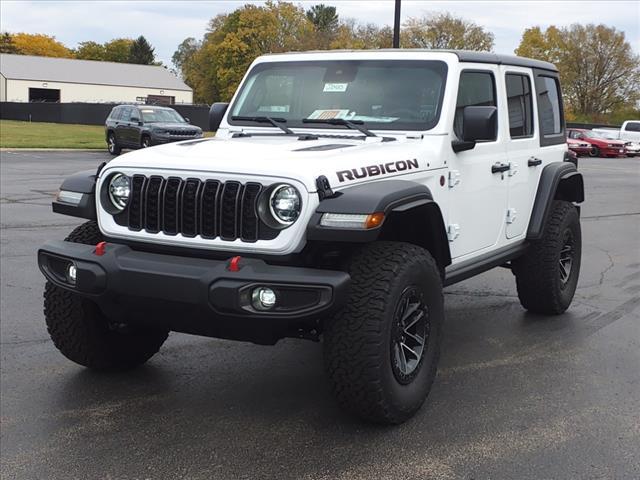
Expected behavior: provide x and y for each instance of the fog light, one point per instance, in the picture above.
(71, 273)
(263, 298)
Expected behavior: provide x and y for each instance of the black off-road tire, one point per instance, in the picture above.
(542, 285)
(359, 341)
(84, 335)
(112, 144)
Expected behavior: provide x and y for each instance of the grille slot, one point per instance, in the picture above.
(192, 207)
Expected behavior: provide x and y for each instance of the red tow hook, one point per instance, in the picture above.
(234, 264)
(100, 248)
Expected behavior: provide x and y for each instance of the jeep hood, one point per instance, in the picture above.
(287, 157)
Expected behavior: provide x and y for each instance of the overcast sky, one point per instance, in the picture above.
(166, 23)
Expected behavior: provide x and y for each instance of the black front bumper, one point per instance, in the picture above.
(196, 295)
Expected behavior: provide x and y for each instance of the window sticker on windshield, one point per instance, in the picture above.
(326, 114)
(274, 108)
(335, 87)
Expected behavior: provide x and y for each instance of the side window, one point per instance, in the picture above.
(115, 114)
(549, 106)
(520, 105)
(574, 134)
(476, 89)
(632, 127)
(126, 114)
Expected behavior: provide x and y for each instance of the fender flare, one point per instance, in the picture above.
(84, 183)
(558, 181)
(411, 215)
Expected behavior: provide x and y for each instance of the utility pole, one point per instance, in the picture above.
(396, 26)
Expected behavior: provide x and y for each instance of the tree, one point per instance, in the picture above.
(184, 53)
(90, 51)
(141, 52)
(325, 22)
(117, 50)
(353, 36)
(40, 45)
(324, 18)
(599, 71)
(445, 31)
(234, 40)
(6, 43)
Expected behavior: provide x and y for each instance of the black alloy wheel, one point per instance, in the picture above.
(410, 335)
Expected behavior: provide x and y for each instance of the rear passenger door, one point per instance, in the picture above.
(536, 138)
(523, 145)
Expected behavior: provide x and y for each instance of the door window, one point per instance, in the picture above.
(475, 89)
(520, 105)
(126, 114)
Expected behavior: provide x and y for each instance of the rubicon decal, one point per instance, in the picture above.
(374, 170)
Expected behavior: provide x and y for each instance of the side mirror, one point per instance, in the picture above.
(478, 124)
(135, 120)
(216, 114)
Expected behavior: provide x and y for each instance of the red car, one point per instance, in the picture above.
(601, 146)
(580, 147)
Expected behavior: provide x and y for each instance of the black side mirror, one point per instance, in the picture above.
(216, 114)
(135, 120)
(478, 124)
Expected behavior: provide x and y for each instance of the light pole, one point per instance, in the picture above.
(396, 26)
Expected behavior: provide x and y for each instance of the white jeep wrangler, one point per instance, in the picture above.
(341, 192)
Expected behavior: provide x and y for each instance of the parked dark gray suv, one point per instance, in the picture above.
(141, 126)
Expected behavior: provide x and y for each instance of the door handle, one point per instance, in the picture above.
(534, 162)
(500, 167)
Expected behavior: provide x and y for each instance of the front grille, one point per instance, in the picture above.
(183, 133)
(191, 207)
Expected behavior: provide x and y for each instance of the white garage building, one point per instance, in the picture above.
(26, 78)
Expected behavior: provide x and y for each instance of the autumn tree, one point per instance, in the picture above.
(117, 50)
(141, 52)
(184, 53)
(600, 73)
(90, 51)
(6, 43)
(445, 31)
(353, 36)
(234, 40)
(39, 45)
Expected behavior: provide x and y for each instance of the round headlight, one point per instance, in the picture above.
(285, 204)
(119, 190)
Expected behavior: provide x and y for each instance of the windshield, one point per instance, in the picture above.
(387, 95)
(600, 135)
(150, 115)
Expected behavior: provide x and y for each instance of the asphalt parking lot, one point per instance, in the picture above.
(517, 395)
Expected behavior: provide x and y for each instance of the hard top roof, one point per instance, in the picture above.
(463, 56)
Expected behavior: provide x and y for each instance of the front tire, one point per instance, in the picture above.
(381, 351)
(547, 275)
(145, 142)
(594, 152)
(84, 335)
(112, 144)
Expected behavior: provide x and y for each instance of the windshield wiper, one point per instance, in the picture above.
(275, 121)
(353, 124)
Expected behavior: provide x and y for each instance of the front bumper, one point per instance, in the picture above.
(195, 295)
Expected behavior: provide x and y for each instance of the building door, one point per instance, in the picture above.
(44, 95)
